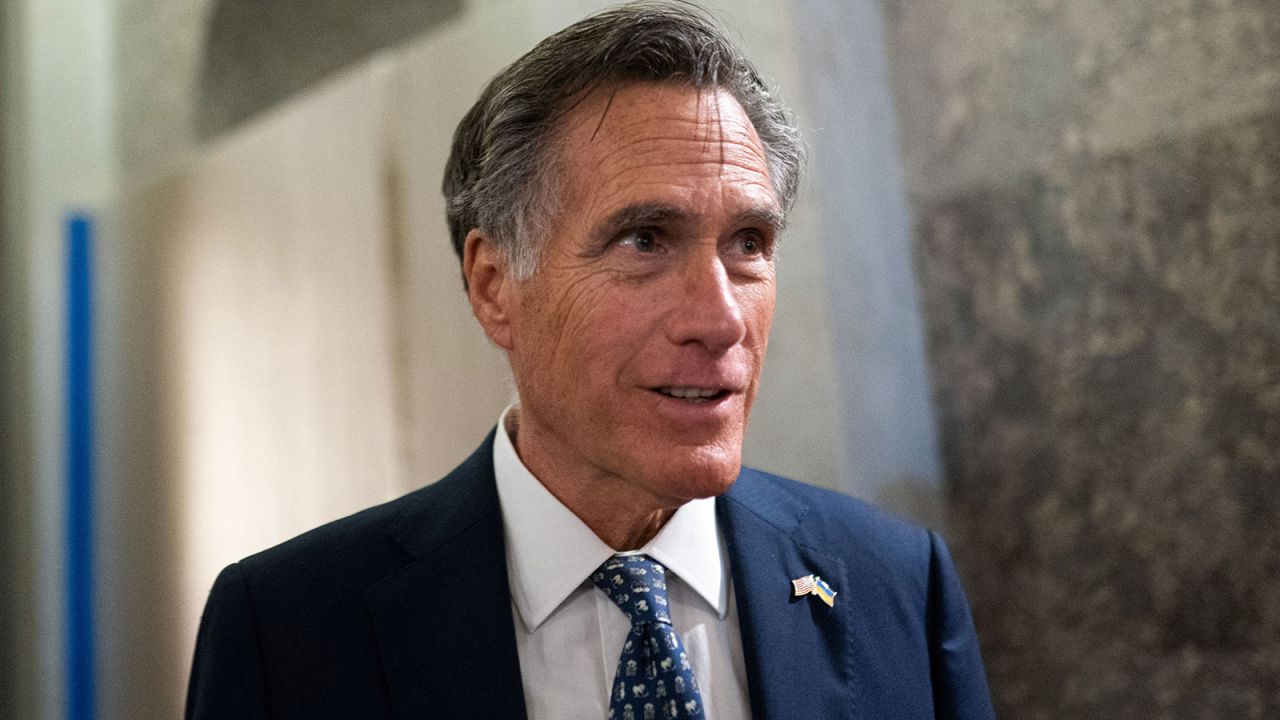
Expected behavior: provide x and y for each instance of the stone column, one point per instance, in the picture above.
(1096, 197)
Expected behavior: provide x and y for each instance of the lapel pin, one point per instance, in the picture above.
(814, 585)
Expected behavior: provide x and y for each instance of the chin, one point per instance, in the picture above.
(703, 476)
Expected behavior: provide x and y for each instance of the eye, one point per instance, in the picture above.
(643, 240)
(752, 243)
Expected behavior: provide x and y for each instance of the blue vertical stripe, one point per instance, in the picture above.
(79, 468)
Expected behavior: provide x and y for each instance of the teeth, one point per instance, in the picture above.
(690, 393)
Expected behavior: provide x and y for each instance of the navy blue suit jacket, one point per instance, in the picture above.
(403, 611)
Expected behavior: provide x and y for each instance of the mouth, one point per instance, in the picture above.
(690, 394)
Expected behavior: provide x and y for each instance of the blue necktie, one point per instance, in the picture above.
(654, 680)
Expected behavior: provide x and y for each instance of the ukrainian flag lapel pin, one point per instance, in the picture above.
(814, 585)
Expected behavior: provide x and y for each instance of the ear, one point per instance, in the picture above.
(489, 286)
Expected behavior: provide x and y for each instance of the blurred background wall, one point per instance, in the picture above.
(1096, 189)
(1078, 225)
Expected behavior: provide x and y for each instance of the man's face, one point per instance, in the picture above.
(638, 343)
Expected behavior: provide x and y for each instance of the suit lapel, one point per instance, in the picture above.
(798, 651)
(443, 624)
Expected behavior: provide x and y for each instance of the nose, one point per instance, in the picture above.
(707, 310)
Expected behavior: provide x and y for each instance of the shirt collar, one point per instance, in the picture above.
(551, 552)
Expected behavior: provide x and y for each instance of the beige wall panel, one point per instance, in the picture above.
(283, 327)
(251, 370)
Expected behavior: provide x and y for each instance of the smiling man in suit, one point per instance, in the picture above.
(616, 197)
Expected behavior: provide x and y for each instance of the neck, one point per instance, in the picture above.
(621, 514)
(631, 535)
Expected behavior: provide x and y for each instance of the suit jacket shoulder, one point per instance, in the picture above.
(828, 519)
(899, 641)
(362, 548)
(368, 616)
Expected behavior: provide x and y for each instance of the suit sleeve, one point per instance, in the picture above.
(959, 680)
(226, 676)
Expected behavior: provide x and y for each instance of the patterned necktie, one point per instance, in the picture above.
(653, 680)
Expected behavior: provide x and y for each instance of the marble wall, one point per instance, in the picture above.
(1096, 201)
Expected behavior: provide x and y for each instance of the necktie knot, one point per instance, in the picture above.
(637, 584)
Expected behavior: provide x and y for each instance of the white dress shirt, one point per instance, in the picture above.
(569, 635)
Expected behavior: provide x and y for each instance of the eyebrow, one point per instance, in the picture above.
(659, 214)
(769, 216)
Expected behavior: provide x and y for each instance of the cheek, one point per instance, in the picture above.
(757, 309)
(613, 337)
(572, 327)
(608, 328)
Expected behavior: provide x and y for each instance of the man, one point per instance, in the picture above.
(616, 197)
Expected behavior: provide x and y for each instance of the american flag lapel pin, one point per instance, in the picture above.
(803, 585)
(814, 585)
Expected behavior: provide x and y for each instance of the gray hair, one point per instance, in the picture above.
(500, 175)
